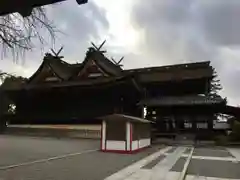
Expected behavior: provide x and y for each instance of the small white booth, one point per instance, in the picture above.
(124, 134)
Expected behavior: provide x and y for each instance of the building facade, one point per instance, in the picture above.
(176, 97)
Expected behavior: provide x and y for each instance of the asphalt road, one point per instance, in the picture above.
(79, 159)
(94, 165)
(15, 150)
(207, 167)
(214, 168)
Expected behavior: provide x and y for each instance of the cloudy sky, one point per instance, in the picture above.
(148, 33)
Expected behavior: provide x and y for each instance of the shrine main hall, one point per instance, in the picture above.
(176, 98)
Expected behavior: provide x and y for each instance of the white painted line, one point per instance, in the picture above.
(141, 174)
(171, 175)
(212, 158)
(168, 162)
(235, 153)
(162, 169)
(184, 171)
(192, 177)
(126, 172)
(46, 160)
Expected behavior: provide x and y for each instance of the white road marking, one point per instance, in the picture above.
(212, 158)
(184, 171)
(192, 177)
(160, 170)
(46, 160)
(235, 152)
(126, 172)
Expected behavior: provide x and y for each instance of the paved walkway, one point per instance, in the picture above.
(168, 163)
(160, 170)
(60, 159)
(37, 158)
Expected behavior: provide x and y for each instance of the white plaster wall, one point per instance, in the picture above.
(135, 145)
(115, 145)
(221, 125)
(103, 134)
(128, 135)
(144, 142)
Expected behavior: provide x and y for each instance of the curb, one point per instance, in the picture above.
(184, 171)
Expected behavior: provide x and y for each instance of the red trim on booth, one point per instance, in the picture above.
(101, 145)
(126, 138)
(105, 143)
(125, 144)
(125, 152)
(131, 136)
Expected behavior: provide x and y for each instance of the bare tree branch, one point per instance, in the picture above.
(18, 34)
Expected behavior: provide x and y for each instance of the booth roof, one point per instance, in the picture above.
(122, 117)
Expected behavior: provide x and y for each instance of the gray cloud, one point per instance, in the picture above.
(174, 31)
(220, 21)
(191, 30)
(80, 21)
(78, 24)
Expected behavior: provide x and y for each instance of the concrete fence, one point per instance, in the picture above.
(78, 131)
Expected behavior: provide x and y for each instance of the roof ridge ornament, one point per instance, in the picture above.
(56, 54)
(117, 63)
(98, 48)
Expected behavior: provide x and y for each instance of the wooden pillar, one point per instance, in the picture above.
(3, 125)
(207, 84)
(210, 123)
(142, 112)
(194, 123)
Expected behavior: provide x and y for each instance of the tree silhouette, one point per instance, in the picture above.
(6, 105)
(215, 85)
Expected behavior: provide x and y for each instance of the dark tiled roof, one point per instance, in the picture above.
(67, 71)
(195, 65)
(83, 83)
(105, 63)
(232, 110)
(64, 69)
(61, 68)
(181, 100)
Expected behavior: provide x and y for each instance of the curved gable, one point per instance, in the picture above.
(44, 73)
(97, 65)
